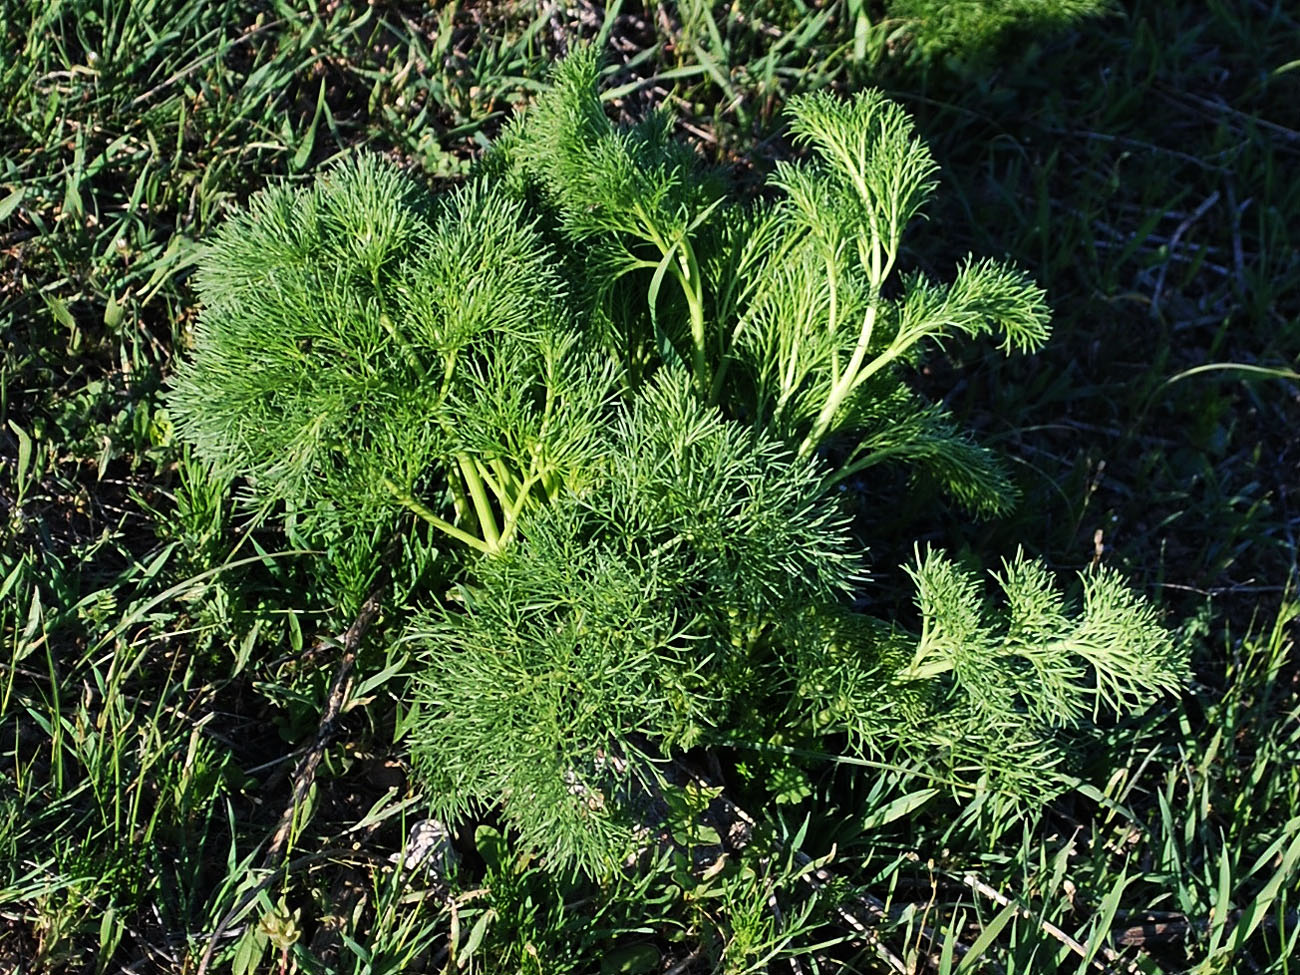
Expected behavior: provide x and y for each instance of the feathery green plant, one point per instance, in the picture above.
(788, 315)
(367, 351)
(626, 406)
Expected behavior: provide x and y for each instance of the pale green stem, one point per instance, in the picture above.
(901, 344)
(513, 511)
(925, 663)
(832, 317)
(840, 390)
(779, 409)
(506, 478)
(550, 484)
(852, 167)
(490, 474)
(412, 358)
(874, 263)
(687, 273)
(482, 506)
(924, 671)
(891, 252)
(791, 365)
(460, 503)
(689, 278)
(663, 547)
(877, 276)
(416, 508)
(448, 371)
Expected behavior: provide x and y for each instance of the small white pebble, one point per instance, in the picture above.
(428, 847)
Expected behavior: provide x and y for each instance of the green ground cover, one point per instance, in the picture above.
(187, 785)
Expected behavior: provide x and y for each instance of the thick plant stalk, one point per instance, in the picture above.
(421, 511)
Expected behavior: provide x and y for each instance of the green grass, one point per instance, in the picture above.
(166, 665)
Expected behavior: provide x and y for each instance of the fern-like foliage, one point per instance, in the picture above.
(293, 364)
(626, 407)
(624, 622)
(994, 691)
(781, 311)
(366, 351)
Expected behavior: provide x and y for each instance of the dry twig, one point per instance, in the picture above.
(304, 775)
(1082, 950)
(305, 772)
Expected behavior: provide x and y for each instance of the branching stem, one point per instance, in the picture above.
(689, 277)
(515, 508)
(415, 507)
(922, 669)
(686, 270)
(846, 383)
(482, 504)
